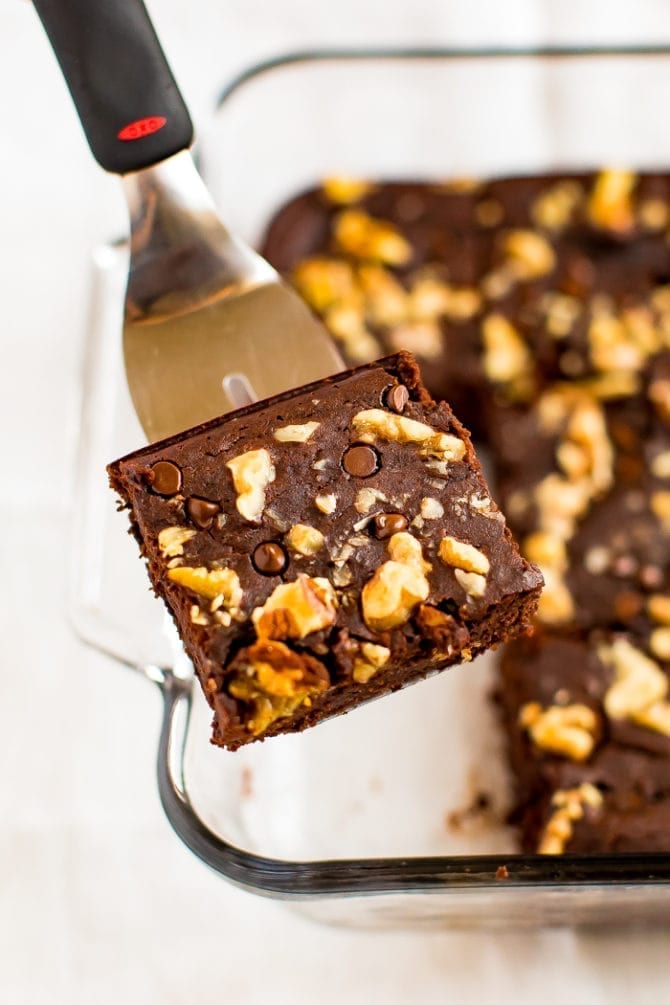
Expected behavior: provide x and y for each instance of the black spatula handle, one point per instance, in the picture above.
(128, 102)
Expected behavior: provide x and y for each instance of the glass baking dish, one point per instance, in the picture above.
(393, 815)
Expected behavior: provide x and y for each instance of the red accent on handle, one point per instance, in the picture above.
(142, 127)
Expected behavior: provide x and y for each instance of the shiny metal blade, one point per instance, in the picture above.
(177, 367)
(209, 325)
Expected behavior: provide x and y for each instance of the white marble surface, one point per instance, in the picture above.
(100, 903)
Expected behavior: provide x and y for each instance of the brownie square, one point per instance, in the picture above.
(324, 547)
(588, 728)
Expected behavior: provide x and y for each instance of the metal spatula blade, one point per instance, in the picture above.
(209, 325)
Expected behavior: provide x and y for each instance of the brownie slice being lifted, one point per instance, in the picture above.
(325, 546)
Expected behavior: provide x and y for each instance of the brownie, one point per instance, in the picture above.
(540, 308)
(324, 547)
(588, 724)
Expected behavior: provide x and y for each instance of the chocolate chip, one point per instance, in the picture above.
(397, 397)
(627, 605)
(361, 461)
(201, 511)
(269, 558)
(165, 478)
(386, 524)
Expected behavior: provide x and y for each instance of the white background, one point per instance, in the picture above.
(99, 902)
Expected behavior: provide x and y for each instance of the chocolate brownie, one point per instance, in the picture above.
(540, 307)
(324, 547)
(589, 728)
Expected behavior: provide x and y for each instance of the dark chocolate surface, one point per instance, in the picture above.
(336, 503)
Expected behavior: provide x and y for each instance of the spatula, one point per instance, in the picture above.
(208, 325)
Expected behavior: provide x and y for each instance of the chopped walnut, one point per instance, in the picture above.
(171, 540)
(659, 395)
(430, 299)
(422, 338)
(660, 465)
(386, 300)
(658, 607)
(640, 688)
(530, 254)
(252, 472)
(461, 555)
(210, 583)
(344, 190)
(346, 322)
(506, 355)
(198, 617)
(654, 214)
(305, 540)
(660, 507)
(561, 312)
(569, 730)
(295, 610)
(324, 281)
(569, 807)
(362, 236)
(473, 583)
(390, 596)
(296, 434)
(610, 205)
(377, 424)
(370, 660)
(659, 643)
(431, 509)
(275, 681)
(546, 549)
(366, 499)
(326, 502)
(556, 606)
(554, 208)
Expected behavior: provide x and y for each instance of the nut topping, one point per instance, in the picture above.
(640, 688)
(296, 434)
(295, 610)
(252, 473)
(569, 805)
(569, 730)
(388, 599)
(171, 540)
(376, 424)
(464, 556)
(210, 583)
(305, 540)
(370, 660)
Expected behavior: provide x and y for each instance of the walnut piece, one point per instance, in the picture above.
(659, 643)
(431, 509)
(422, 338)
(252, 472)
(369, 661)
(660, 507)
(210, 583)
(324, 281)
(275, 681)
(658, 607)
(530, 254)
(639, 691)
(296, 434)
(473, 583)
(569, 805)
(366, 499)
(305, 540)
(295, 610)
(362, 236)
(377, 424)
(326, 502)
(390, 596)
(343, 190)
(506, 355)
(562, 729)
(554, 207)
(609, 204)
(171, 540)
(464, 556)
